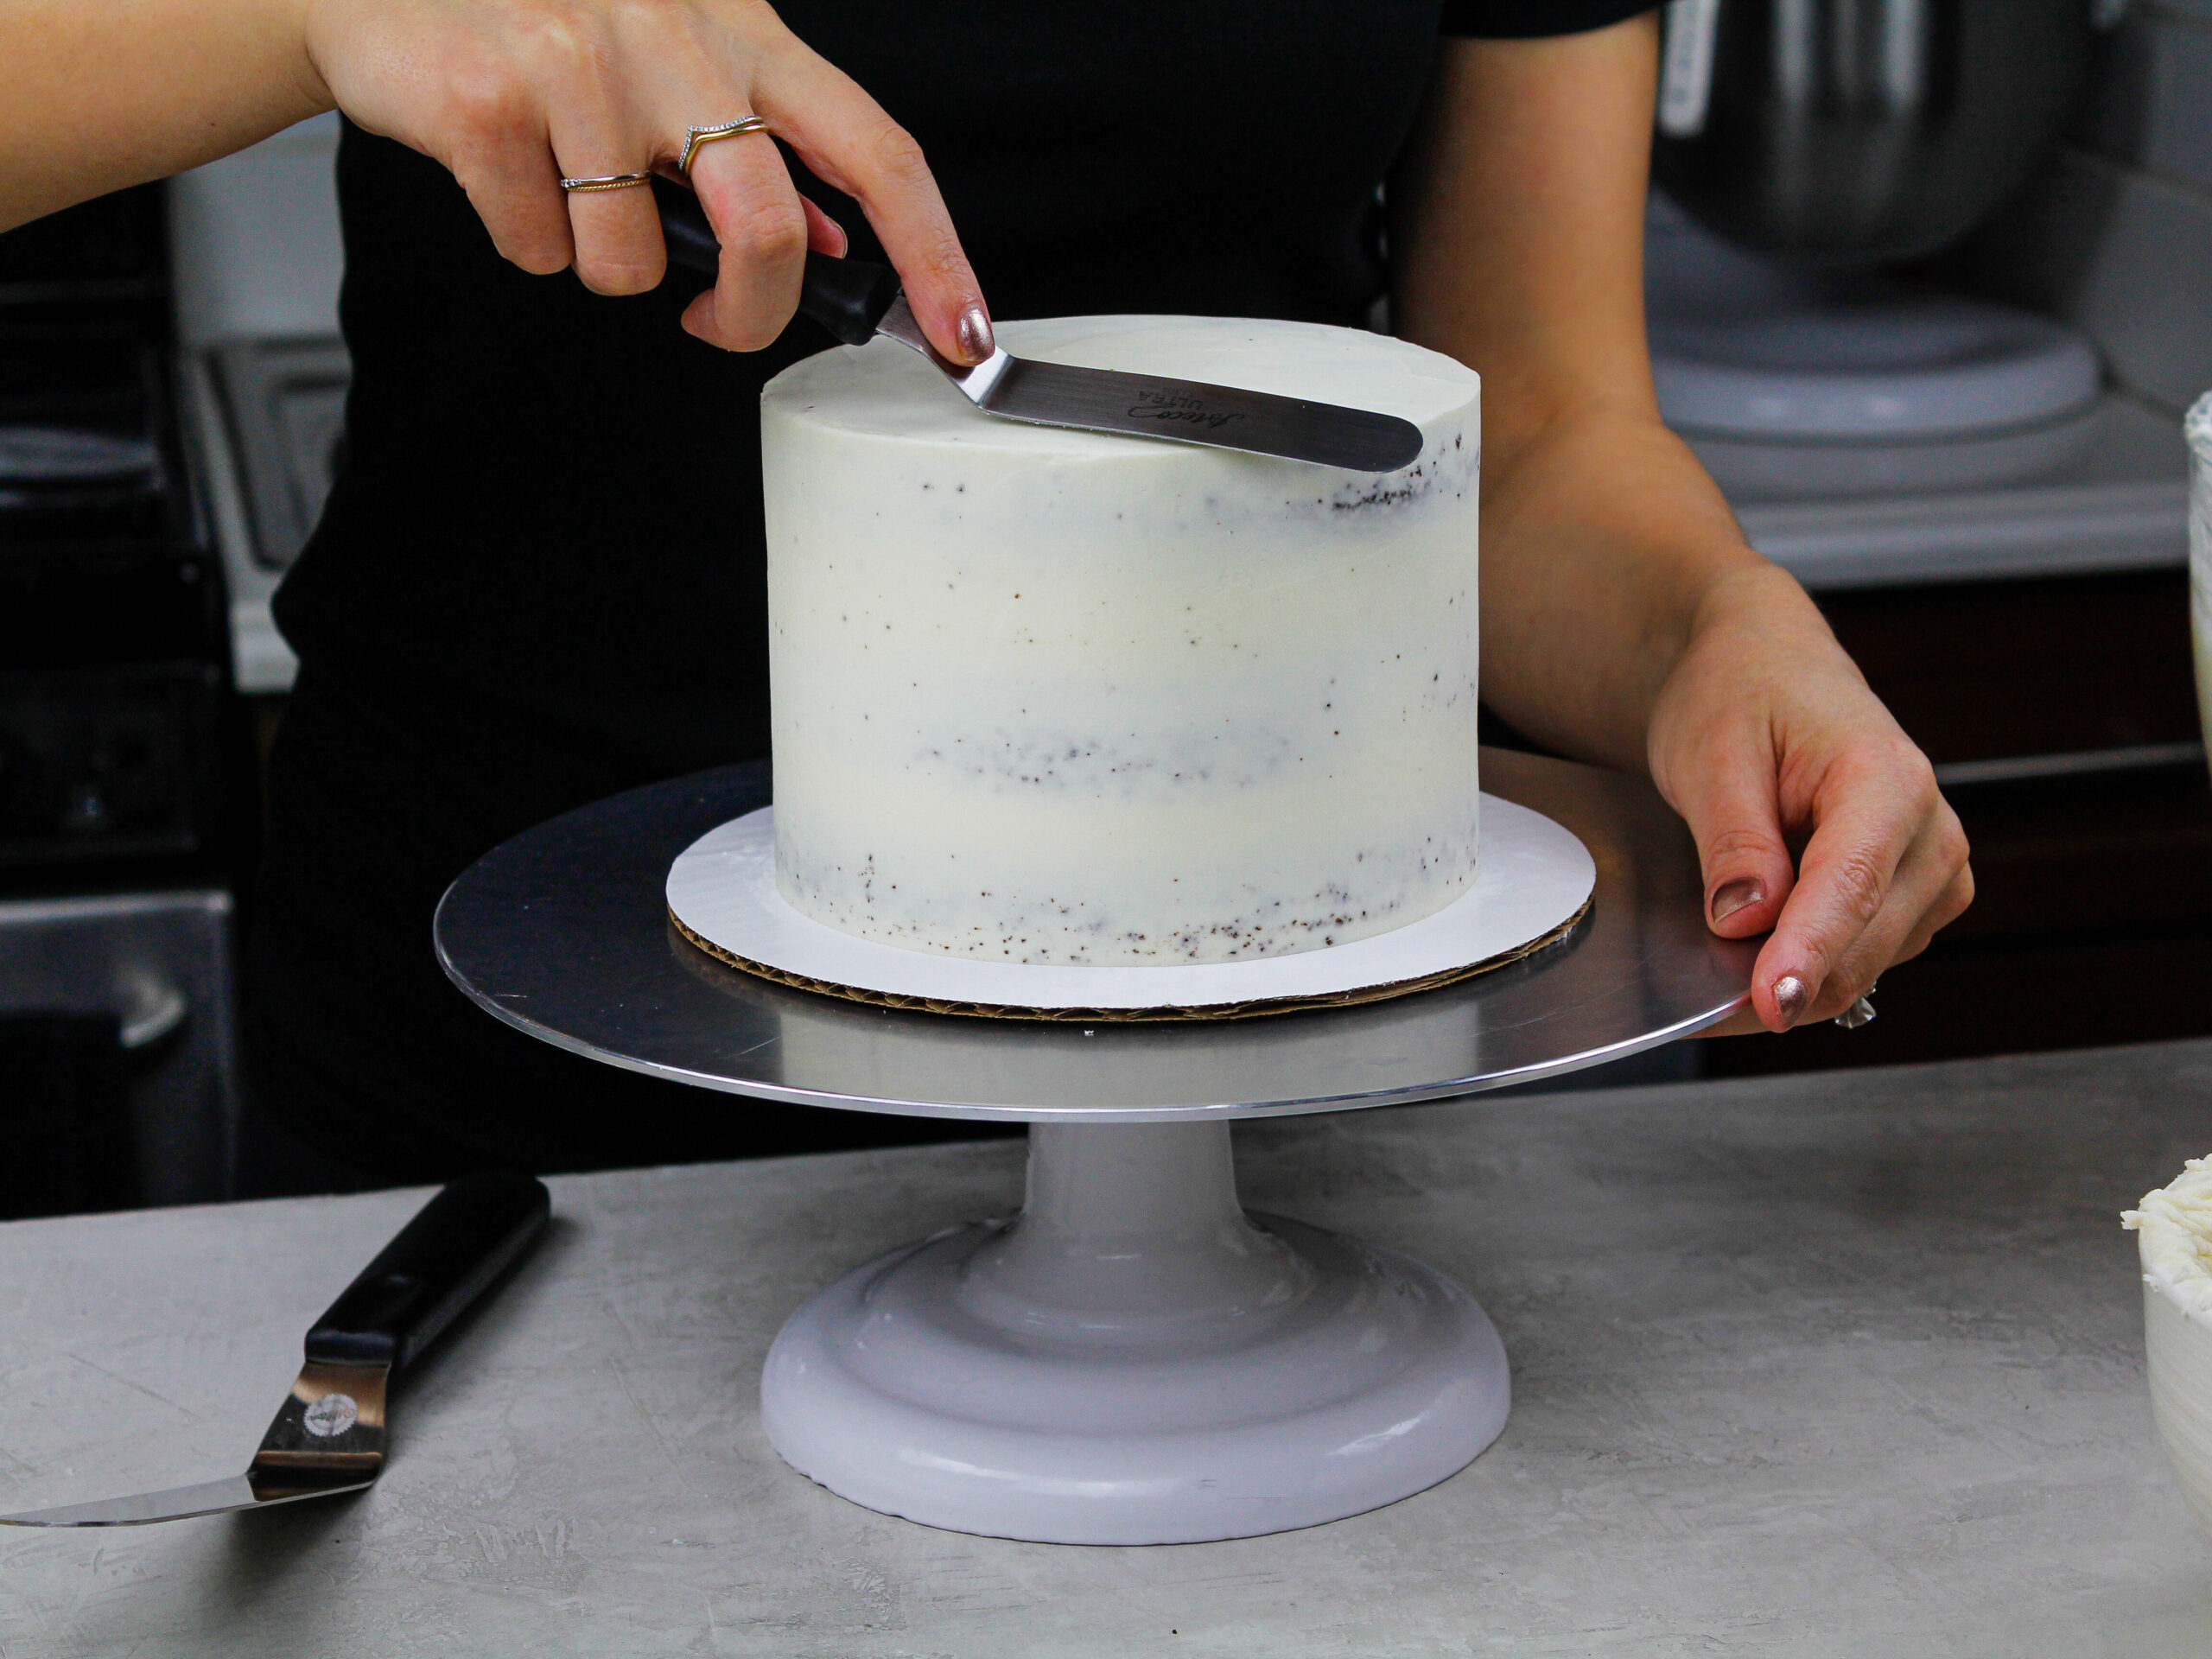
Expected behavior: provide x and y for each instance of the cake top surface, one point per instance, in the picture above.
(886, 390)
(2176, 1224)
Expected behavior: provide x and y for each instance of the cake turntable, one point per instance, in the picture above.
(1132, 1359)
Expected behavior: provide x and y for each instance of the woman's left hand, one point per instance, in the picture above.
(1766, 738)
(1624, 620)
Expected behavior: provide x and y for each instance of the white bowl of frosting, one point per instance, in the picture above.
(2174, 1227)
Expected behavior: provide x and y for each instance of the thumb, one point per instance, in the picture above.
(1729, 802)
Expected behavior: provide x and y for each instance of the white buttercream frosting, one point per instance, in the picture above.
(1059, 697)
(2176, 1225)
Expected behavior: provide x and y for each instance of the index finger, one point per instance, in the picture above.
(848, 141)
(1861, 835)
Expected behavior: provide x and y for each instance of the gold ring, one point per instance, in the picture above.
(611, 181)
(697, 136)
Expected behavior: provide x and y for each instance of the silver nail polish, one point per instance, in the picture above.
(1789, 997)
(1735, 896)
(973, 329)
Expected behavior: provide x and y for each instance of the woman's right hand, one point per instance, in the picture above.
(512, 96)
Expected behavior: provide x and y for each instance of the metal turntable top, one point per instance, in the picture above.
(563, 932)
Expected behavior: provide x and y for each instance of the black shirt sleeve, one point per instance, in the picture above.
(1521, 20)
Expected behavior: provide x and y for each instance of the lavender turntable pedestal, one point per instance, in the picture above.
(1133, 1359)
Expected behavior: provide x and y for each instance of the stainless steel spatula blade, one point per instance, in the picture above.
(183, 1502)
(210, 1497)
(329, 1436)
(1188, 412)
(857, 301)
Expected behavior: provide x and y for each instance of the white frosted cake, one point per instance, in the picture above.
(1057, 697)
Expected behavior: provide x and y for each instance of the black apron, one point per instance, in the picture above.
(539, 578)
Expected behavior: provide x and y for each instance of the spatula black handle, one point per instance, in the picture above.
(439, 1262)
(846, 296)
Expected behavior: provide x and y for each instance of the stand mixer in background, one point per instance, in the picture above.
(1804, 148)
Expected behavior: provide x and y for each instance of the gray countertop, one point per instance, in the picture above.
(1840, 1364)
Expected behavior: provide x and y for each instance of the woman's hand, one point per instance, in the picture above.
(1766, 740)
(514, 95)
(1624, 620)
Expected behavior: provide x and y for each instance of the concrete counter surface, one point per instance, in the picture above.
(1832, 1366)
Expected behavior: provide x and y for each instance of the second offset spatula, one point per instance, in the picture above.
(329, 1434)
(857, 301)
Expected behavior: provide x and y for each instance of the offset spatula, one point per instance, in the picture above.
(329, 1434)
(857, 301)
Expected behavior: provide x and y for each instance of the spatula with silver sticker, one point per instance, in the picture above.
(329, 1434)
(857, 301)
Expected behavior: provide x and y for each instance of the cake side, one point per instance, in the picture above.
(1057, 697)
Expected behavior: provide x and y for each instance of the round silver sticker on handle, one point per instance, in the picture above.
(330, 1415)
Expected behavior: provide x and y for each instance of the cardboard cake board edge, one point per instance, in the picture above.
(1251, 1010)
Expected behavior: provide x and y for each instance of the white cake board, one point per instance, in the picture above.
(1532, 878)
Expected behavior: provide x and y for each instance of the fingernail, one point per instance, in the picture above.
(1790, 998)
(973, 329)
(1734, 896)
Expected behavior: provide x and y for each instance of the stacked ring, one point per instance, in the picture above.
(695, 136)
(610, 181)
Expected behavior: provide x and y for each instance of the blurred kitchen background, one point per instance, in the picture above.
(1962, 433)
